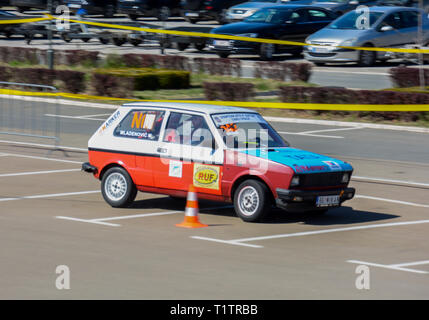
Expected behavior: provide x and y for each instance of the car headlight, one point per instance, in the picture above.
(295, 181)
(307, 40)
(345, 178)
(348, 43)
(248, 35)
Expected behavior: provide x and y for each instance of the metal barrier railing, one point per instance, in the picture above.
(28, 117)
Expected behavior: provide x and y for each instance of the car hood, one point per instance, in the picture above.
(242, 27)
(300, 161)
(336, 35)
(326, 5)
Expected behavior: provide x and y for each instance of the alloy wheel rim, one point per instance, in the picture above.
(248, 200)
(116, 186)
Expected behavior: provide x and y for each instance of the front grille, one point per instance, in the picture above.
(324, 179)
(320, 54)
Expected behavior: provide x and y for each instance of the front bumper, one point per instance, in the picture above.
(303, 200)
(233, 47)
(199, 14)
(334, 55)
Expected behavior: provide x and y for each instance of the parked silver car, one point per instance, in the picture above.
(387, 27)
(243, 10)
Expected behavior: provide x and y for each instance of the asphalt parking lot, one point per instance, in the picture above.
(53, 214)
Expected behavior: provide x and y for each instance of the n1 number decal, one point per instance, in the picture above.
(206, 176)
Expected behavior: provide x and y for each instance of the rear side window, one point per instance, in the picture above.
(317, 15)
(141, 124)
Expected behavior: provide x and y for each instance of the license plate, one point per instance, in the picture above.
(221, 43)
(321, 49)
(327, 201)
(191, 14)
(77, 6)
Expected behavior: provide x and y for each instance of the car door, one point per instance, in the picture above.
(399, 35)
(140, 130)
(188, 154)
(296, 28)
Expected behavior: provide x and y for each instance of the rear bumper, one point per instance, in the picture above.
(87, 167)
(300, 200)
(199, 14)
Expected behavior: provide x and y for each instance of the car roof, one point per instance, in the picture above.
(194, 107)
(292, 6)
(392, 9)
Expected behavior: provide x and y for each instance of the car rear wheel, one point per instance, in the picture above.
(221, 17)
(181, 46)
(367, 58)
(118, 188)
(223, 55)
(133, 17)
(200, 46)
(252, 200)
(266, 51)
(109, 11)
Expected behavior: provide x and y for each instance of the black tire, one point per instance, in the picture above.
(104, 40)
(163, 13)
(367, 58)
(319, 64)
(135, 42)
(182, 46)
(252, 200)
(66, 38)
(192, 21)
(223, 55)
(118, 41)
(86, 39)
(266, 51)
(297, 53)
(22, 9)
(200, 46)
(109, 12)
(118, 188)
(133, 17)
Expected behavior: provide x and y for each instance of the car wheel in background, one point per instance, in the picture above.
(133, 17)
(181, 46)
(164, 13)
(367, 58)
(109, 11)
(193, 21)
(118, 188)
(223, 55)
(22, 9)
(200, 46)
(104, 40)
(252, 200)
(319, 64)
(119, 41)
(266, 51)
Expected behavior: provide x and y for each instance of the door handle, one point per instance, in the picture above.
(161, 150)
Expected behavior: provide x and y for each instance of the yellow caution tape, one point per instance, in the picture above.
(18, 21)
(244, 104)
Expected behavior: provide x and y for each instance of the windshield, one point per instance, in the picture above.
(273, 1)
(247, 130)
(350, 20)
(274, 16)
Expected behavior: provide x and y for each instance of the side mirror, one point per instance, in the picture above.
(386, 28)
(354, 2)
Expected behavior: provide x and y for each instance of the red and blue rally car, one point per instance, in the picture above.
(229, 154)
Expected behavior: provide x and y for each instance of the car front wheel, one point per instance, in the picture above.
(367, 58)
(252, 200)
(267, 51)
(118, 188)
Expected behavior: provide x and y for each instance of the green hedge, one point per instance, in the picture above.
(151, 79)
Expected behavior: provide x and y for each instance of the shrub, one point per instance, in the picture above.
(228, 91)
(5, 74)
(218, 66)
(151, 79)
(282, 71)
(111, 86)
(74, 81)
(39, 76)
(407, 77)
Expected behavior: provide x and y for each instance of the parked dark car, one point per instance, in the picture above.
(162, 9)
(25, 5)
(8, 30)
(105, 7)
(4, 3)
(200, 10)
(282, 22)
(340, 6)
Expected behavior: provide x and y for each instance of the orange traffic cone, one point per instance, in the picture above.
(191, 211)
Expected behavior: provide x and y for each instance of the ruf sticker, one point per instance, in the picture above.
(206, 176)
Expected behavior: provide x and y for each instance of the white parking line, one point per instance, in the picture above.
(143, 215)
(53, 195)
(41, 158)
(391, 266)
(89, 221)
(310, 135)
(393, 201)
(73, 117)
(36, 172)
(42, 145)
(411, 183)
(96, 115)
(309, 233)
(330, 130)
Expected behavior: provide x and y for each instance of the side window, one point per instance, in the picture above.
(188, 129)
(141, 124)
(393, 20)
(317, 15)
(410, 19)
(298, 16)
